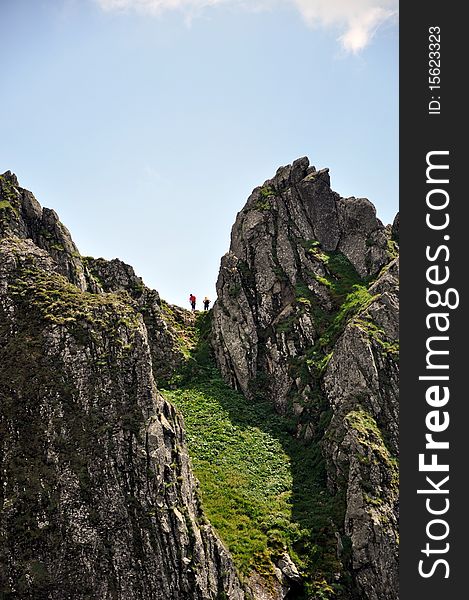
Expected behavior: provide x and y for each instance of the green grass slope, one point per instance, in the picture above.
(262, 489)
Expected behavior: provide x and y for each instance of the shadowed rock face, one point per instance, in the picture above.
(307, 317)
(98, 499)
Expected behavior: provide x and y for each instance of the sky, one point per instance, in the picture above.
(145, 124)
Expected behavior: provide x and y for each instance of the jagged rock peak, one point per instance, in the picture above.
(304, 203)
(307, 318)
(22, 216)
(294, 238)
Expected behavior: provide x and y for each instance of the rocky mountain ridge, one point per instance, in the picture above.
(98, 499)
(306, 321)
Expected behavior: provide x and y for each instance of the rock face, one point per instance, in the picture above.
(307, 317)
(22, 216)
(277, 261)
(161, 321)
(97, 494)
(98, 499)
(361, 442)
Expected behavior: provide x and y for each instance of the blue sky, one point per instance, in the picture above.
(146, 123)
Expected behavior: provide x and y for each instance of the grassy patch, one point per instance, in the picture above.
(303, 294)
(262, 489)
(378, 334)
(340, 275)
(58, 247)
(60, 302)
(267, 191)
(355, 301)
(262, 205)
(370, 435)
(244, 472)
(393, 249)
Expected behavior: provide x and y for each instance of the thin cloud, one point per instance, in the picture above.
(358, 20)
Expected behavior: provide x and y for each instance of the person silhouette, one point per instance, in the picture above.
(192, 300)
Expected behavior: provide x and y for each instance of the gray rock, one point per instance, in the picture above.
(115, 276)
(288, 568)
(321, 207)
(307, 317)
(363, 240)
(22, 216)
(395, 228)
(98, 498)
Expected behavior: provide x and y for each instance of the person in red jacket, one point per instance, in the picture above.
(192, 300)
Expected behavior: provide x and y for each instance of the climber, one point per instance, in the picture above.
(206, 303)
(192, 300)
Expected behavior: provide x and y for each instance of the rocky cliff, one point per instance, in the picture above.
(297, 468)
(98, 498)
(307, 318)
